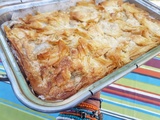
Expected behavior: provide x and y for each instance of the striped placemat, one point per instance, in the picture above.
(136, 96)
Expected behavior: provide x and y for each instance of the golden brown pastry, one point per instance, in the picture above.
(63, 52)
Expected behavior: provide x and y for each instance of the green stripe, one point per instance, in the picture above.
(139, 85)
(10, 110)
(1, 67)
(1, 72)
(129, 103)
(8, 113)
(150, 68)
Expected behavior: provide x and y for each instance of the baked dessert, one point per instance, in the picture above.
(62, 52)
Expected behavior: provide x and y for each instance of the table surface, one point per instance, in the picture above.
(136, 96)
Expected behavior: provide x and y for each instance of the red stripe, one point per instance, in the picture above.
(136, 89)
(147, 72)
(148, 97)
(139, 98)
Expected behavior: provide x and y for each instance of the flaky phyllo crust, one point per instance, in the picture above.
(62, 52)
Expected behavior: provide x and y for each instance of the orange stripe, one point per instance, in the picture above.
(147, 72)
(131, 96)
(136, 89)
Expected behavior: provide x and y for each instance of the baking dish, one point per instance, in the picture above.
(9, 2)
(21, 87)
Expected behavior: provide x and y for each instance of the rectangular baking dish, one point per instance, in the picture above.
(18, 82)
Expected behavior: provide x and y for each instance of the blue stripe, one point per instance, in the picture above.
(143, 78)
(1, 64)
(130, 100)
(2, 70)
(157, 58)
(131, 108)
(9, 95)
(108, 117)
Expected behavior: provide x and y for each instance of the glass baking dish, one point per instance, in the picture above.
(18, 82)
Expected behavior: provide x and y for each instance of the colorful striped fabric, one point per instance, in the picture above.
(136, 96)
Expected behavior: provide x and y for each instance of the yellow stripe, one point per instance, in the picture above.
(157, 56)
(150, 68)
(139, 85)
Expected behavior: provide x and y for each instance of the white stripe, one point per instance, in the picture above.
(135, 91)
(118, 115)
(63, 118)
